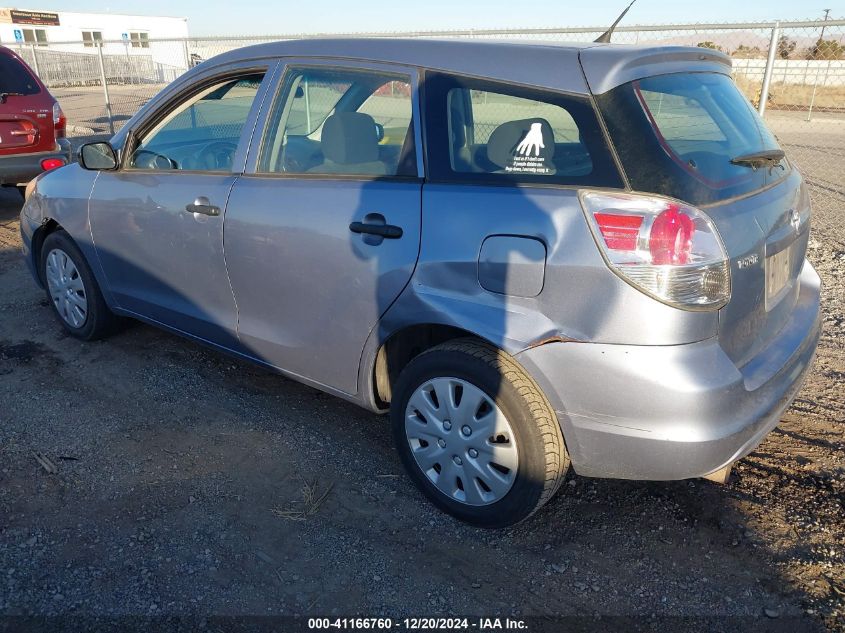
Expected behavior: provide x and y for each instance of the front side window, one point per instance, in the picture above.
(341, 121)
(488, 131)
(202, 133)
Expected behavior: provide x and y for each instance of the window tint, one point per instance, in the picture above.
(676, 134)
(488, 131)
(341, 121)
(15, 78)
(494, 133)
(704, 118)
(202, 133)
(681, 119)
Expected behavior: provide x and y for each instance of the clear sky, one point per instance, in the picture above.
(249, 17)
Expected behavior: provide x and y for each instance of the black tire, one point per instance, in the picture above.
(99, 320)
(22, 191)
(543, 459)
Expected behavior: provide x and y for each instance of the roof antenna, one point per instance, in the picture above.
(604, 38)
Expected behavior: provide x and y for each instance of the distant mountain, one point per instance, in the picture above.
(727, 41)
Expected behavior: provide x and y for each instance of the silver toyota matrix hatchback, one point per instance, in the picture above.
(531, 255)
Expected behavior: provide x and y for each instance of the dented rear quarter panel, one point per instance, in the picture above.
(581, 299)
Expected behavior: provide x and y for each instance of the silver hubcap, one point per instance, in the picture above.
(66, 288)
(462, 441)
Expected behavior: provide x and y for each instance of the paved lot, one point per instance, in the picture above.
(178, 469)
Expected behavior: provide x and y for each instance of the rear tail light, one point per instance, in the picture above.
(52, 163)
(59, 120)
(667, 249)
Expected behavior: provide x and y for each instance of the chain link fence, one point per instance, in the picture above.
(793, 72)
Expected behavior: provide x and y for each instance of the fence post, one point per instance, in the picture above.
(187, 55)
(815, 86)
(770, 67)
(105, 86)
(35, 62)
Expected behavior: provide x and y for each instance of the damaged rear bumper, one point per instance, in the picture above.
(673, 412)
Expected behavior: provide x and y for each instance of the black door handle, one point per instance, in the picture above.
(202, 205)
(388, 231)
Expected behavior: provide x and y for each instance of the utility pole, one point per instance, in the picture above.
(826, 14)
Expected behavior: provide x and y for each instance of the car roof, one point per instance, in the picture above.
(537, 63)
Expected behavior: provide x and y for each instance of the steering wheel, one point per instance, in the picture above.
(216, 155)
(148, 159)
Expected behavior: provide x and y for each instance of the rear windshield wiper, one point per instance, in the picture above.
(3, 95)
(754, 159)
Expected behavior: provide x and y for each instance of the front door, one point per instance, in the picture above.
(157, 221)
(323, 231)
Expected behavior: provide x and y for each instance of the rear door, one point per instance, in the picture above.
(323, 231)
(678, 135)
(26, 116)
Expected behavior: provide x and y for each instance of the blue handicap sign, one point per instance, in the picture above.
(18, 35)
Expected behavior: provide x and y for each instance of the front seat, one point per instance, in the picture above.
(350, 146)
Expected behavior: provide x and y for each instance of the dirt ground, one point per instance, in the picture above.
(190, 484)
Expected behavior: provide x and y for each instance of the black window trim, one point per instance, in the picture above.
(433, 99)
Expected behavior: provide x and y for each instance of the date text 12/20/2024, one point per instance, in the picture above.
(418, 624)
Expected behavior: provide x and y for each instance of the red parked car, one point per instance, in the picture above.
(32, 125)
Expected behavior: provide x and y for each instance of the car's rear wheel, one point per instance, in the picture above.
(476, 434)
(72, 290)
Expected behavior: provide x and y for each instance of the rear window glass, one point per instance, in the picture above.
(15, 78)
(677, 134)
(487, 131)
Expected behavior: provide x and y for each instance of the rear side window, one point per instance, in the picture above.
(483, 131)
(338, 121)
(15, 78)
(677, 134)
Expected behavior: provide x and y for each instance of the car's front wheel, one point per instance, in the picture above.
(476, 434)
(72, 289)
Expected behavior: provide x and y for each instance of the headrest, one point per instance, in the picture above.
(350, 137)
(523, 147)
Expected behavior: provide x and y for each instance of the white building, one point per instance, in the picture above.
(45, 27)
(59, 41)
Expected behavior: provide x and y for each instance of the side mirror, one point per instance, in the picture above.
(98, 156)
(379, 132)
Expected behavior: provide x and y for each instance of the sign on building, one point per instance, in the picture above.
(37, 18)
